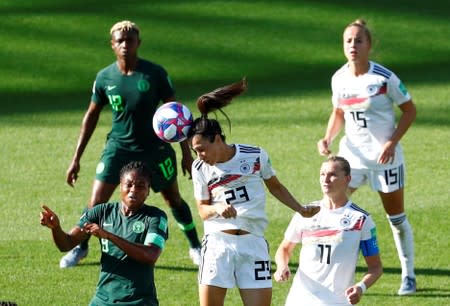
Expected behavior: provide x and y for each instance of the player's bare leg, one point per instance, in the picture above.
(256, 297)
(212, 295)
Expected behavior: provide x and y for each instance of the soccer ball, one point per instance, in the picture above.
(172, 121)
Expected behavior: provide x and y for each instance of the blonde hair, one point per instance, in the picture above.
(361, 23)
(125, 26)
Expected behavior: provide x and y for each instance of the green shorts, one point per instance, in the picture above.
(161, 161)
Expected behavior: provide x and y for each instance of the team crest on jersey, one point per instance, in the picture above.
(245, 167)
(138, 227)
(143, 85)
(345, 222)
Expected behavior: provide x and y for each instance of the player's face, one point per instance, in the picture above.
(125, 44)
(206, 150)
(356, 45)
(333, 179)
(134, 190)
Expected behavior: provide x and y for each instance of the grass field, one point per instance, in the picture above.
(51, 51)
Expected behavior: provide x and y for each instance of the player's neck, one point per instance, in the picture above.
(127, 65)
(228, 152)
(358, 68)
(335, 201)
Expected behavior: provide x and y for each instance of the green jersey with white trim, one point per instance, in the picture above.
(134, 99)
(122, 279)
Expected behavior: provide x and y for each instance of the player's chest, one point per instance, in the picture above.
(132, 93)
(331, 228)
(130, 229)
(362, 94)
(237, 170)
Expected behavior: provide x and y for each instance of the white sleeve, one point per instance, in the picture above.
(267, 170)
(369, 229)
(397, 91)
(293, 232)
(201, 191)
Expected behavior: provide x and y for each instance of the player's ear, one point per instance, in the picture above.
(217, 139)
(348, 178)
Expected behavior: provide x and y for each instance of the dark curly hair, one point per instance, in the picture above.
(138, 166)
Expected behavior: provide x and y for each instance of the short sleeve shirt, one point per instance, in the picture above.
(122, 279)
(239, 182)
(331, 241)
(133, 99)
(368, 103)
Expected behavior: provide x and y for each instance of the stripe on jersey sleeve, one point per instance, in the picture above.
(357, 208)
(377, 69)
(156, 239)
(249, 149)
(198, 164)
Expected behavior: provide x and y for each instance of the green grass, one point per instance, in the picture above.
(287, 49)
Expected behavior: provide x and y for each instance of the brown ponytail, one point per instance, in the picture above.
(215, 100)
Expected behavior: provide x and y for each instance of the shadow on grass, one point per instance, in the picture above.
(269, 74)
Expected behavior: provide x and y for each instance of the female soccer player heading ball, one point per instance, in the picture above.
(228, 187)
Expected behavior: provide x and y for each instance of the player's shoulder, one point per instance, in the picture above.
(357, 209)
(111, 68)
(378, 69)
(246, 148)
(149, 65)
(152, 211)
(198, 164)
(341, 71)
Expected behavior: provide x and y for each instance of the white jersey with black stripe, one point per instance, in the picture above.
(368, 103)
(238, 182)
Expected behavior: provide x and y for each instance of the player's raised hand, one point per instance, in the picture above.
(49, 218)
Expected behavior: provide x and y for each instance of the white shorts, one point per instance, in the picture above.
(386, 180)
(229, 261)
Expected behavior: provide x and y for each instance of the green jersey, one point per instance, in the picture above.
(124, 281)
(134, 99)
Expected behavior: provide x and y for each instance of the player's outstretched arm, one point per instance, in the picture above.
(279, 191)
(63, 241)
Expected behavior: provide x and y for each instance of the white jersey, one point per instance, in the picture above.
(331, 241)
(238, 182)
(368, 104)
